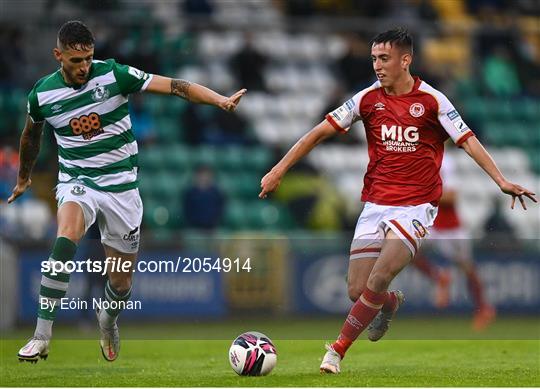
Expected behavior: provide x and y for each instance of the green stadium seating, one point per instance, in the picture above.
(259, 159)
(205, 155)
(168, 129)
(232, 158)
(178, 158)
(267, 215)
(235, 216)
(151, 158)
(240, 185)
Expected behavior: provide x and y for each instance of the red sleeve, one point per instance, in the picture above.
(465, 136)
(333, 123)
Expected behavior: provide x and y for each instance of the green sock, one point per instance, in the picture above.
(108, 316)
(53, 287)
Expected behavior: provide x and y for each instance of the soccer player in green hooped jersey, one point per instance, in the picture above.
(86, 103)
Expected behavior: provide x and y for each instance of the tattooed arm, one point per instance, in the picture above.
(193, 92)
(28, 152)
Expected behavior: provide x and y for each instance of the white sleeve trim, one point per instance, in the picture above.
(348, 113)
(147, 82)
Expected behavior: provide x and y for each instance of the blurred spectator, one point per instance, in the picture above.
(248, 66)
(498, 231)
(306, 8)
(312, 200)
(355, 68)
(427, 12)
(13, 58)
(207, 125)
(141, 121)
(478, 7)
(500, 74)
(197, 7)
(299, 8)
(142, 53)
(203, 201)
(227, 128)
(9, 165)
(194, 121)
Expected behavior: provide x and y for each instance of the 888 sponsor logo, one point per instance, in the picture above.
(88, 126)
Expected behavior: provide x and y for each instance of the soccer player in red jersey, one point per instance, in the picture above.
(406, 122)
(450, 239)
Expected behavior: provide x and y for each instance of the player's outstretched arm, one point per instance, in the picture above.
(316, 135)
(28, 152)
(475, 149)
(193, 92)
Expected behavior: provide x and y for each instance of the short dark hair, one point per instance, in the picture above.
(75, 34)
(399, 37)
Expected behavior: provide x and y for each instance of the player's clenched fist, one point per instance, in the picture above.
(269, 183)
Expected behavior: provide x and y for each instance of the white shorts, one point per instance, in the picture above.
(410, 223)
(454, 244)
(119, 214)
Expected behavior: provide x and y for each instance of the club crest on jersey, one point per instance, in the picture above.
(100, 93)
(416, 110)
(420, 229)
(78, 190)
(379, 106)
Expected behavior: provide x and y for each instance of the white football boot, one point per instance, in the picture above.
(378, 327)
(110, 341)
(330, 362)
(36, 348)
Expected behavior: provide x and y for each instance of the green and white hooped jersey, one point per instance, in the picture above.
(92, 125)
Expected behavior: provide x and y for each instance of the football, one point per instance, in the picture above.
(252, 354)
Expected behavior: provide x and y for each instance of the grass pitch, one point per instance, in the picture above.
(468, 361)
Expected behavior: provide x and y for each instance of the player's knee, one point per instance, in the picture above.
(354, 292)
(70, 233)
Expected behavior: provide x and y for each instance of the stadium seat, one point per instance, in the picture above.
(265, 215)
(232, 158)
(177, 159)
(151, 158)
(235, 216)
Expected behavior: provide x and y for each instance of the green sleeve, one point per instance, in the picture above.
(130, 79)
(32, 107)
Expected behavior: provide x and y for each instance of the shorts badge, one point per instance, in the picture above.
(78, 190)
(420, 229)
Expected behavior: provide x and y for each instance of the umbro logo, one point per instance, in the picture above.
(379, 106)
(55, 108)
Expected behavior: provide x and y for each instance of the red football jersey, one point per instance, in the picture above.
(405, 136)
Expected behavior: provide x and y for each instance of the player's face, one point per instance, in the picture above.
(389, 63)
(75, 63)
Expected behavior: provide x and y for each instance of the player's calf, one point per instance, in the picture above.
(379, 326)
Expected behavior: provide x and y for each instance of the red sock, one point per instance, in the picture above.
(390, 303)
(426, 268)
(361, 314)
(475, 288)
